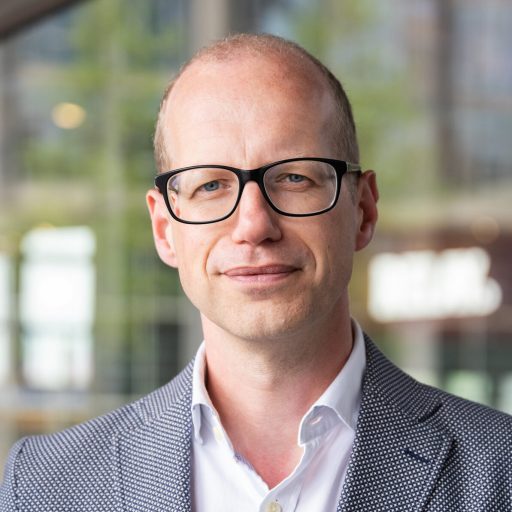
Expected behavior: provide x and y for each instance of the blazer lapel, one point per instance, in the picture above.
(153, 462)
(398, 453)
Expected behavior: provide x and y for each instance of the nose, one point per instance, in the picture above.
(255, 221)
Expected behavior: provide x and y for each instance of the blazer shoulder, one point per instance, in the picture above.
(139, 413)
(82, 455)
(452, 414)
(473, 423)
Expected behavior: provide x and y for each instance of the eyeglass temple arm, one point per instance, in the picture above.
(353, 167)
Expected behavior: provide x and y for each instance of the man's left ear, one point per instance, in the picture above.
(161, 223)
(367, 197)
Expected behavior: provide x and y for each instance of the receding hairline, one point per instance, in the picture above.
(271, 47)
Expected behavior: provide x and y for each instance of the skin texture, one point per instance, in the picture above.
(271, 290)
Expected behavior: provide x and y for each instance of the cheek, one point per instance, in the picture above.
(179, 244)
(338, 242)
(192, 252)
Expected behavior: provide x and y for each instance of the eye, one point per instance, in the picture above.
(287, 178)
(296, 178)
(211, 186)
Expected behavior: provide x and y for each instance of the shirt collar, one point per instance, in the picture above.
(200, 397)
(342, 397)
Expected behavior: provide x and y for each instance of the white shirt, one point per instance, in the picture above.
(222, 481)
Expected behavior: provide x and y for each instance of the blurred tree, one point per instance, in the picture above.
(121, 54)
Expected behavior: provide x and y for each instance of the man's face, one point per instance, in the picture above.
(256, 274)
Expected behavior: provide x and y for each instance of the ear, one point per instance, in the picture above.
(162, 224)
(367, 197)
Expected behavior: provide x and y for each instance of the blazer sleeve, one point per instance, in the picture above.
(8, 491)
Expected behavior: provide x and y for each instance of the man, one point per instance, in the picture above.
(260, 204)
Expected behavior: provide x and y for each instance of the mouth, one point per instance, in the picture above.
(261, 274)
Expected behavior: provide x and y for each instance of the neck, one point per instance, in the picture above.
(262, 388)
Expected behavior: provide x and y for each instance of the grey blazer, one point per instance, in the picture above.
(416, 449)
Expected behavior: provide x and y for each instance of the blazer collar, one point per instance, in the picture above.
(398, 452)
(153, 459)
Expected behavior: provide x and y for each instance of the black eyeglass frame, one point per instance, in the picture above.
(246, 175)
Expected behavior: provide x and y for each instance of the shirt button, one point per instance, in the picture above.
(274, 507)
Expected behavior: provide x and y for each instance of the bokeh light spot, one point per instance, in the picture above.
(68, 116)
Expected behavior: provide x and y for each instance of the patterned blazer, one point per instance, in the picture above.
(416, 449)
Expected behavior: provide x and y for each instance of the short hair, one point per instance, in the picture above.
(267, 45)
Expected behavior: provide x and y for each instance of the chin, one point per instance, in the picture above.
(267, 323)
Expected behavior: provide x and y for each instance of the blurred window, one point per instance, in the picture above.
(57, 302)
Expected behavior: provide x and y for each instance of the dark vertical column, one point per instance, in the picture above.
(449, 159)
(10, 119)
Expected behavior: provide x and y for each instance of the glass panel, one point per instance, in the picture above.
(79, 92)
(430, 85)
(57, 289)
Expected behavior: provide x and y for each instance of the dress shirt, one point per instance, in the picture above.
(223, 481)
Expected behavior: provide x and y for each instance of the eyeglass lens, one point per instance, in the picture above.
(206, 194)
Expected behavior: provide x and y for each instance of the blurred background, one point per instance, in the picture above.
(90, 318)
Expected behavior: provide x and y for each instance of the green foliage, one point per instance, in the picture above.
(98, 173)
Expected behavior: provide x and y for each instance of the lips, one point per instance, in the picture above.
(261, 276)
(274, 269)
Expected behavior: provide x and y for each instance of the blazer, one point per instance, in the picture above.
(416, 449)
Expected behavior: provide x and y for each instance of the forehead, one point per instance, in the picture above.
(252, 92)
(288, 67)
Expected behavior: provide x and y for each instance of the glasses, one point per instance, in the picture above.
(297, 187)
